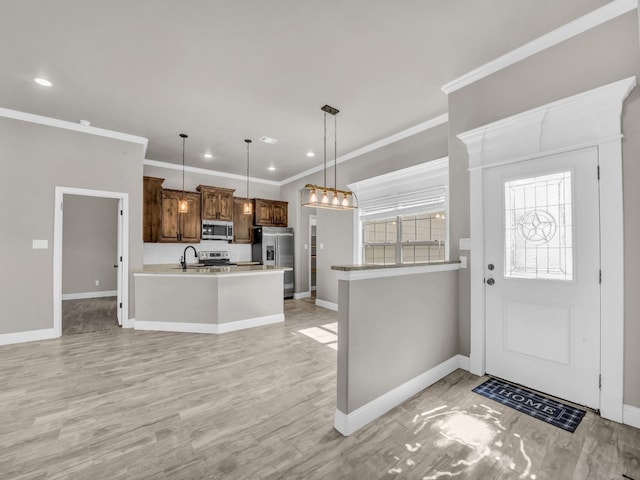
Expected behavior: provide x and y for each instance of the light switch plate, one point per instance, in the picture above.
(40, 244)
(321, 246)
(463, 261)
(465, 244)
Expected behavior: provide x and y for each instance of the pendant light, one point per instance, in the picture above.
(183, 204)
(247, 207)
(323, 196)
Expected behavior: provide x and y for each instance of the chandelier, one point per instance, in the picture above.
(326, 197)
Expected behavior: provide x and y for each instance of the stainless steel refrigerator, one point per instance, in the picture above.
(274, 246)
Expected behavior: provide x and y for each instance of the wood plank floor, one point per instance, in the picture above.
(259, 404)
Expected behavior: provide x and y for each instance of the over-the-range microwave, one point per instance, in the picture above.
(217, 230)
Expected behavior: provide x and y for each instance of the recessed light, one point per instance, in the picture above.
(311, 154)
(208, 155)
(269, 140)
(272, 168)
(43, 81)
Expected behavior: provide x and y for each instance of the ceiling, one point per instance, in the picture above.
(222, 71)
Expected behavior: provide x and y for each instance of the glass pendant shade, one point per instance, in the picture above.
(247, 208)
(183, 205)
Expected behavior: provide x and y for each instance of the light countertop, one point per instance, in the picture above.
(196, 269)
(351, 268)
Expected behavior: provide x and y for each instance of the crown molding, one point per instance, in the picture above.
(590, 20)
(421, 127)
(76, 127)
(204, 171)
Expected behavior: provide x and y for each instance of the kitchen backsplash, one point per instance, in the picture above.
(155, 253)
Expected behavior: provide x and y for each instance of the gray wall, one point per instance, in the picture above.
(392, 330)
(334, 237)
(33, 160)
(90, 244)
(422, 147)
(597, 57)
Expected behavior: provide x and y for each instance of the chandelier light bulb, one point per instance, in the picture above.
(335, 199)
(314, 196)
(325, 197)
(345, 200)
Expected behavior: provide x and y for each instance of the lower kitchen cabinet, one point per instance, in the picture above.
(180, 227)
(242, 224)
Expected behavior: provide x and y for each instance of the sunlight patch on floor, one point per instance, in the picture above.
(478, 432)
(322, 335)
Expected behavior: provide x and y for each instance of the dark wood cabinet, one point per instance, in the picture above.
(217, 203)
(242, 224)
(152, 209)
(180, 227)
(270, 213)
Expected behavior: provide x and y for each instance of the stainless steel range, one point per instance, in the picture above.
(214, 258)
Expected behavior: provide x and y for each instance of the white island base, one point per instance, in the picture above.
(207, 300)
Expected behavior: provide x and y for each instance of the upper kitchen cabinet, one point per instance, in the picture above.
(152, 209)
(270, 213)
(180, 227)
(217, 203)
(242, 223)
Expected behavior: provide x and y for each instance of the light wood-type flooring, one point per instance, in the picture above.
(89, 315)
(259, 404)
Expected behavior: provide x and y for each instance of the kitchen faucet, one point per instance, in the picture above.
(183, 259)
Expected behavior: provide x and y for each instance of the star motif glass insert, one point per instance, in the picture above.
(538, 227)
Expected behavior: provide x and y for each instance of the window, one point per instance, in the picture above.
(417, 238)
(403, 215)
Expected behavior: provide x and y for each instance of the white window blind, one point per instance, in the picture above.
(410, 203)
(417, 189)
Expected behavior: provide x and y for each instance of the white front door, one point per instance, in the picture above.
(542, 255)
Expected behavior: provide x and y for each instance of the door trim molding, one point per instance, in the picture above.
(123, 244)
(591, 118)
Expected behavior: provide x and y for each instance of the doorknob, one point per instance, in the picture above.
(490, 266)
(490, 281)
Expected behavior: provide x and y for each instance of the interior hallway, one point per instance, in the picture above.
(259, 404)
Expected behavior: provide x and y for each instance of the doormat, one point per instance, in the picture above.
(533, 404)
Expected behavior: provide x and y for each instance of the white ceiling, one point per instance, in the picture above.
(222, 71)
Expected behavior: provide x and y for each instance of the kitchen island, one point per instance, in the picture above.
(208, 299)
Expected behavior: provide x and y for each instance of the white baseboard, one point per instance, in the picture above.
(250, 323)
(327, 305)
(347, 424)
(631, 416)
(301, 295)
(29, 336)
(463, 362)
(80, 296)
(207, 327)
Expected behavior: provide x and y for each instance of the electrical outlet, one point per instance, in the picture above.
(97, 283)
(463, 261)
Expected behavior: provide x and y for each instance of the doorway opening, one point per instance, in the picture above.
(89, 264)
(312, 257)
(90, 260)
